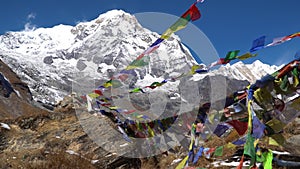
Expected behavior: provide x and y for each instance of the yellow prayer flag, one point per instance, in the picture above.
(178, 25)
(230, 145)
(113, 108)
(276, 125)
(181, 165)
(246, 56)
(93, 95)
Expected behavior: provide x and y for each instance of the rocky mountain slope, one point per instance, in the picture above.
(37, 138)
(57, 140)
(15, 96)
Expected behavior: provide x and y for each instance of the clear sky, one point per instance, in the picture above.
(229, 24)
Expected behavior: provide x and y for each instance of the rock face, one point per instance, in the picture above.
(31, 137)
(15, 95)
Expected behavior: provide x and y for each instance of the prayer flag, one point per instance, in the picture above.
(219, 151)
(191, 14)
(199, 154)
(258, 43)
(143, 61)
(246, 56)
(268, 158)
(239, 126)
(220, 130)
(181, 165)
(257, 128)
(249, 148)
(231, 55)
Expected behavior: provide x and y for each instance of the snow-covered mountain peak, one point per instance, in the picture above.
(46, 58)
(112, 14)
(249, 72)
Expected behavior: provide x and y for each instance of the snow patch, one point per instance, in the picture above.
(5, 126)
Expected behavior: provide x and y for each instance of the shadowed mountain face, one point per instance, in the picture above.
(15, 96)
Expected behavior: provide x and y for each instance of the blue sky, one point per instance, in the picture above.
(230, 24)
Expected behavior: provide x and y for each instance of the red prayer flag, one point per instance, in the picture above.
(98, 92)
(239, 126)
(223, 61)
(192, 13)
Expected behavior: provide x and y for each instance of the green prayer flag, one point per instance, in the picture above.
(268, 158)
(296, 76)
(144, 61)
(107, 84)
(284, 83)
(219, 151)
(232, 55)
(249, 148)
(116, 83)
(135, 90)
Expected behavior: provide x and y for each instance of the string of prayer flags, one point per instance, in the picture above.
(125, 136)
(191, 14)
(136, 90)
